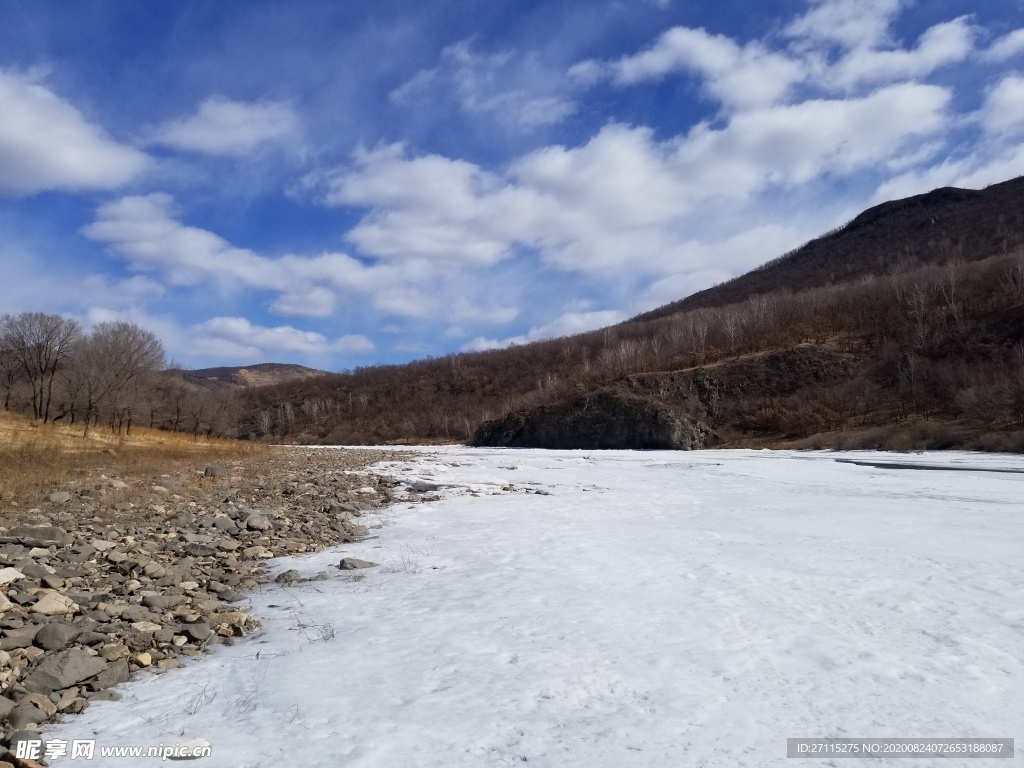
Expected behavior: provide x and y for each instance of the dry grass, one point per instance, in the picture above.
(36, 459)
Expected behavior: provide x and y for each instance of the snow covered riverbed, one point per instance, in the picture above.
(656, 609)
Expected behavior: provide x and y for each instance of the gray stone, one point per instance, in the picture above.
(35, 571)
(354, 563)
(62, 670)
(91, 638)
(25, 714)
(20, 638)
(38, 535)
(162, 602)
(199, 550)
(56, 636)
(258, 522)
(422, 486)
(197, 631)
(6, 705)
(288, 577)
(58, 497)
(136, 613)
(116, 672)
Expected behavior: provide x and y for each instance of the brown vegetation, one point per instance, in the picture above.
(38, 458)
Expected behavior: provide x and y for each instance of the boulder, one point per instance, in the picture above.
(117, 672)
(53, 604)
(62, 670)
(56, 636)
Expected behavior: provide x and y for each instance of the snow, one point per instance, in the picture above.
(656, 609)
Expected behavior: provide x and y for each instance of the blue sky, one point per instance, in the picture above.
(341, 184)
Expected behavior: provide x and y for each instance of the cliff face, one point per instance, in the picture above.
(604, 420)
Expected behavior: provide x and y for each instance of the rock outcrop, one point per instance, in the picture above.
(604, 420)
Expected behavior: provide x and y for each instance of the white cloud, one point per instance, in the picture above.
(221, 126)
(47, 144)
(849, 23)
(752, 76)
(737, 76)
(144, 231)
(237, 337)
(1006, 47)
(567, 324)
(513, 90)
(1003, 111)
(622, 202)
(941, 45)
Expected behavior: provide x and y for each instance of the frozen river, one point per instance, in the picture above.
(646, 609)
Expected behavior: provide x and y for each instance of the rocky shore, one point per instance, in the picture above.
(108, 575)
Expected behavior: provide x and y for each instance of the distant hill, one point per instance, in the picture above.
(260, 375)
(938, 226)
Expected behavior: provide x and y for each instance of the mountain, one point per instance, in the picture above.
(260, 375)
(904, 328)
(944, 224)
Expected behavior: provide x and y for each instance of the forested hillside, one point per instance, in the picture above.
(918, 305)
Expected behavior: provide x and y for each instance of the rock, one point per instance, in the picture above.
(143, 659)
(58, 497)
(21, 638)
(117, 485)
(53, 604)
(7, 575)
(41, 702)
(91, 638)
(102, 545)
(288, 577)
(257, 553)
(62, 670)
(117, 672)
(422, 486)
(5, 604)
(146, 626)
(38, 535)
(198, 631)
(116, 557)
(231, 596)
(199, 550)
(52, 582)
(354, 563)
(56, 636)
(36, 571)
(25, 714)
(258, 522)
(114, 652)
(162, 602)
(132, 613)
(606, 419)
(154, 570)
(6, 705)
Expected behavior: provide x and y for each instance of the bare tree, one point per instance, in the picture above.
(40, 343)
